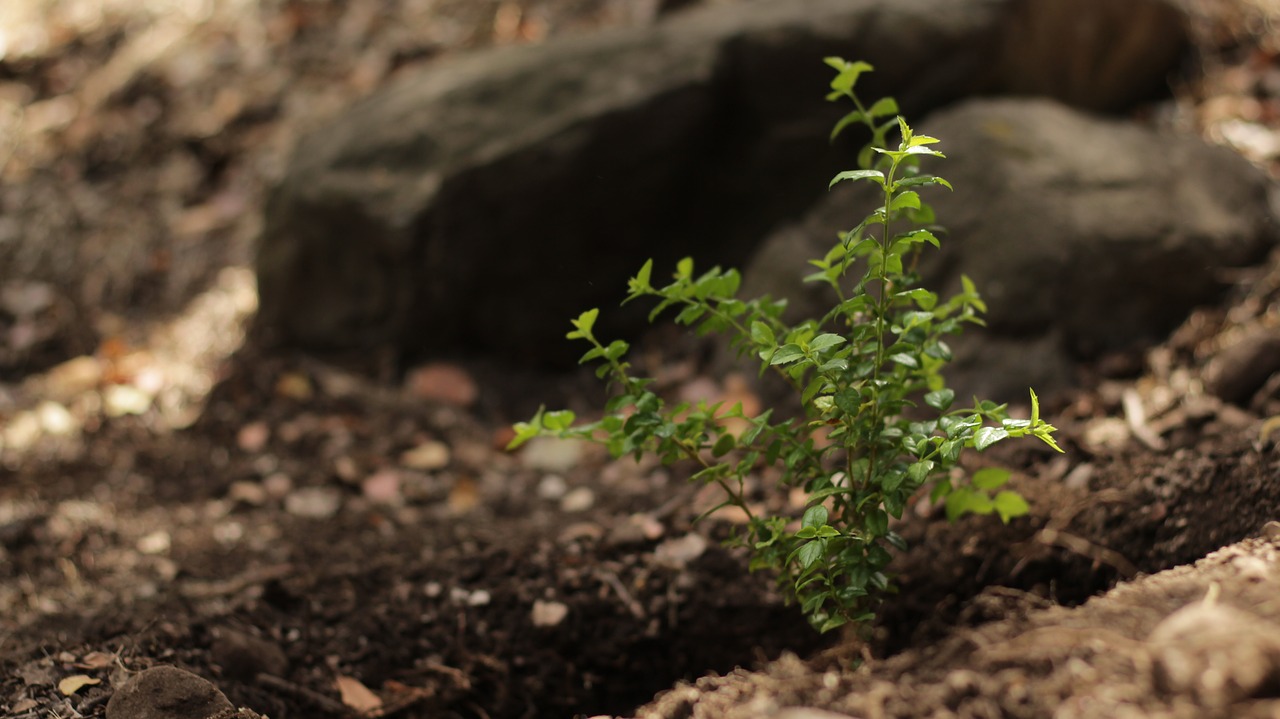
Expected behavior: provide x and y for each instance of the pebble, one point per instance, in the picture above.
(549, 454)
(443, 382)
(313, 502)
(549, 614)
(426, 456)
(676, 553)
(1239, 369)
(247, 492)
(552, 487)
(578, 500)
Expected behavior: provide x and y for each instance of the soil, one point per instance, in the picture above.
(318, 542)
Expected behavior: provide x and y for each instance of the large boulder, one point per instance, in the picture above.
(479, 204)
(1084, 234)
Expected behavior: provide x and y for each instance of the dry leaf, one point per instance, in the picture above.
(293, 385)
(72, 684)
(356, 695)
(464, 496)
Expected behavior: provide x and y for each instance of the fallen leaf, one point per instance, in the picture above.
(74, 683)
(96, 660)
(356, 695)
(294, 385)
(464, 496)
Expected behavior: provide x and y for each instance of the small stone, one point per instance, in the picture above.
(552, 487)
(1271, 531)
(548, 454)
(313, 502)
(246, 492)
(549, 614)
(578, 500)
(157, 542)
(167, 693)
(55, 419)
(676, 553)
(253, 437)
(1239, 369)
(1079, 476)
(1106, 433)
(119, 400)
(426, 456)
(383, 487)
(278, 485)
(443, 382)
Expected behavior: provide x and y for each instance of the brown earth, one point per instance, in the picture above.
(171, 496)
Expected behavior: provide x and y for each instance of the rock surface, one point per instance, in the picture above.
(482, 203)
(167, 693)
(1084, 235)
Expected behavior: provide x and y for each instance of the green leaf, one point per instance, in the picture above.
(825, 341)
(640, 283)
(786, 354)
(815, 516)
(875, 176)
(922, 180)
(1009, 505)
(877, 523)
(836, 621)
(558, 421)
(941, 399)
(847, 120)
(883, 106)
(810, 552)
(988, 436)
(989, 478)
(847, 73)
(584, 323)
(903, 200)
(761, 334)
(684, 268)
(905, 360)
(919, 471)
(724, 445)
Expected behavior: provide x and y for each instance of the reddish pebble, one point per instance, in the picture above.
(443, 382)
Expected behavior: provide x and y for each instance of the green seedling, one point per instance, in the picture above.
(880, 425)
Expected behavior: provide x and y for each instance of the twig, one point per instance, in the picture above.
(297, 691)
(1084, 547)
(633, 606)
(1136, 417)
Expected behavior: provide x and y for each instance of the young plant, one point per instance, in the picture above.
(865, 445)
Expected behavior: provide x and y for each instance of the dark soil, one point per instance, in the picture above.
(171, 495)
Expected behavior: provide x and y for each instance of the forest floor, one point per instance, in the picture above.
(321, 543)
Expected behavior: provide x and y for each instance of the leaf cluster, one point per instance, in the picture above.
(880, 425)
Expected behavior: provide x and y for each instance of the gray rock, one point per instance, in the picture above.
(480, 204)
(167, 693)
(1084, 235)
